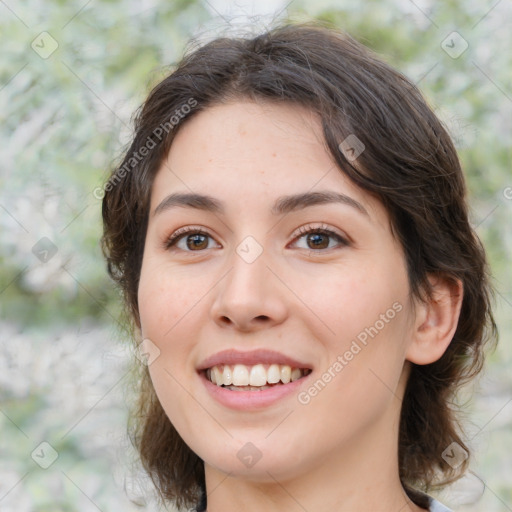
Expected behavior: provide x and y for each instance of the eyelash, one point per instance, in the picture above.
(323, 230)
(180, 233)
(303, 231)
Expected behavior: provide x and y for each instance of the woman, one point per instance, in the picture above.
(290, 230)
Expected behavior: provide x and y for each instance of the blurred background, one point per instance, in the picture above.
(72, 73)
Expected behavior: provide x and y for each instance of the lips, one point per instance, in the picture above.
(251, 358)
(258, 370)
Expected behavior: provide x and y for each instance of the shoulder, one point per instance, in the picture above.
(436, 506)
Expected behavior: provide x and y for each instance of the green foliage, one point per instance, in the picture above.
(65, 121)
(66, 118)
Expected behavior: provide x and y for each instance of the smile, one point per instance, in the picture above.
(252, 380)
(258, 377)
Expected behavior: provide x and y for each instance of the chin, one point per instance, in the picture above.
(258, 462)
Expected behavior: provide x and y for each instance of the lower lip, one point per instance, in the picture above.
(247, 400)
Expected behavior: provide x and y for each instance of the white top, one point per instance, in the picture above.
(435, 506)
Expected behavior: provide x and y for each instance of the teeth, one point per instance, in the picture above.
(240, 375)
(286, 374)
(295, 374)
(227, 377)
(273, 374)
(247, 388)
(257, 377)
(217, 375)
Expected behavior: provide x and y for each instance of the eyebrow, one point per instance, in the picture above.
(282, 205)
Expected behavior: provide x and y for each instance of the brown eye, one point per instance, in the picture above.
(318, 239)
(197, 241)
(189, 240)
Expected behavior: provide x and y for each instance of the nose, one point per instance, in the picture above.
(249, 297)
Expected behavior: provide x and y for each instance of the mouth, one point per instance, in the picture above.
(257, 377)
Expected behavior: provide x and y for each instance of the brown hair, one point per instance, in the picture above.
(409, 163)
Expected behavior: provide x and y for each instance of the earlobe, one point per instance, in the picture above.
(436, 321)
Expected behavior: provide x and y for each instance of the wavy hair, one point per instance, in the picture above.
(409, 164)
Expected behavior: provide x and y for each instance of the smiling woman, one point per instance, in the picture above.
(297, 252)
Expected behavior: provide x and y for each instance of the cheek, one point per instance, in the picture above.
(368, 314)
(356, 298)
(170, 309)
(166, 297)
(360, 382)
(187, 415)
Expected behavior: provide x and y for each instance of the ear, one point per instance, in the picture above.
(436, 321)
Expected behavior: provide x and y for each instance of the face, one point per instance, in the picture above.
(286, 270)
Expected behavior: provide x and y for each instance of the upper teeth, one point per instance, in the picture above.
(257, 375)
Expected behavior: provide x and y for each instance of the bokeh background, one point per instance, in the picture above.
(72, 73)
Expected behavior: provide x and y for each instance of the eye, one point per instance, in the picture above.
(194, 239)
(189, 239)
(318, 238)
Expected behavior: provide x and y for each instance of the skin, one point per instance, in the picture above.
(339, 451)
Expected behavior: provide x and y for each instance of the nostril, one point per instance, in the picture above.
(245, 326)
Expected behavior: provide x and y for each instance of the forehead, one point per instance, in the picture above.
(254, 151)
(245, 136)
